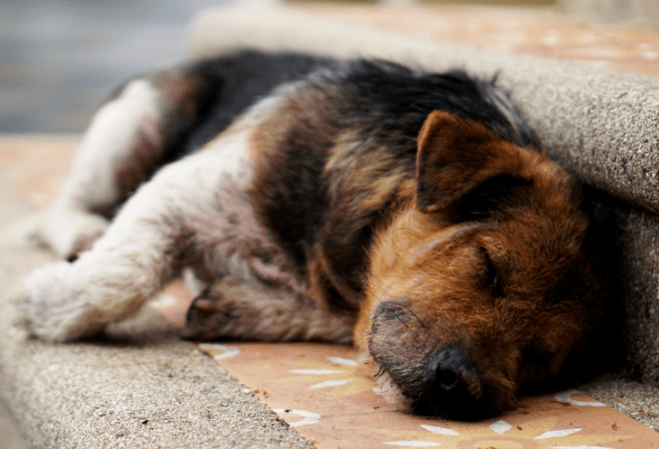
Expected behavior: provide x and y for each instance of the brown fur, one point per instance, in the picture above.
(435, 271)
(482, 250)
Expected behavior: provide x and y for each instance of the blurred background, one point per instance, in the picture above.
(60, 58)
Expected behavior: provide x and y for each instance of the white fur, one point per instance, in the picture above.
(193, 212)
(70, 223)
(386, 387)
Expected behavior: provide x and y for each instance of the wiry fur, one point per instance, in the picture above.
(359, 200)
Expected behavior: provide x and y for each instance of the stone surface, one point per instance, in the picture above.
(635, 13)
(11, 438)
(638, 242)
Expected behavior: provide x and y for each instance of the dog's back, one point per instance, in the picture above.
(343, 149)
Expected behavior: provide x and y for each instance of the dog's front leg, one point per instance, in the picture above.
(152, 237)
(262, 312)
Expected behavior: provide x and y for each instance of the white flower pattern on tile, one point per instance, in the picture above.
(332, 383)
(307, 416)
(500, 426)
(316, 372)
(439, 430)
(225, 351)
(557, 433)
(566, 396)
(342, 361)
(328, 372)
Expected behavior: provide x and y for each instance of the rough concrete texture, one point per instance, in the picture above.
(11, 437)
(636, 13)
(600, 124)
(638, 243)
(639, 401)
(139, 387)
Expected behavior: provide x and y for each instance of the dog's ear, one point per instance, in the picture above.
(455, 156)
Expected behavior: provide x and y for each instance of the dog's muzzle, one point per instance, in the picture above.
(446, 370)
(437, 381)
(452, 387)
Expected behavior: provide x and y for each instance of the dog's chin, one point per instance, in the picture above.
(430, 404)
(386, 387)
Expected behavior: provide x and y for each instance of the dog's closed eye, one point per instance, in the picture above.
(492, 277)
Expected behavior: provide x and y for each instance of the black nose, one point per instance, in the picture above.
(446, 371)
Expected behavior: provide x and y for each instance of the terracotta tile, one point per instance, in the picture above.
(326, 393)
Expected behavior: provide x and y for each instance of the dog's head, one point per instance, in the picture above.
(484, 282)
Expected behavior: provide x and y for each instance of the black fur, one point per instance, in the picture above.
(375, 105)
(237, 81)
(369, 112)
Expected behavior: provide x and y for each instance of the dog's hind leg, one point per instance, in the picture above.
(137, 130)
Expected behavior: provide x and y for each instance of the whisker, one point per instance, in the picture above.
(402, 322)
(409, 309)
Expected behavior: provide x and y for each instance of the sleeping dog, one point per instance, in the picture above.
(333, 201)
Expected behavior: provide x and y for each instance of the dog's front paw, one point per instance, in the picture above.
(208, 317)
(54, 307)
